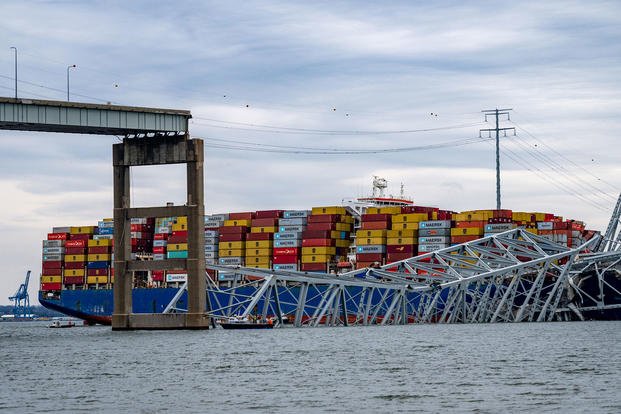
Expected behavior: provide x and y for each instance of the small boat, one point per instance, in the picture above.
(241, 323)
(58, 324)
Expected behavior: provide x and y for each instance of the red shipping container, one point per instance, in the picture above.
(445, 215)
(177, 239)
(463, 239)
(286, 251)
(232, 229)
(319, 234)
(54, 264)
(362, 265)
(180, 233)
(75, 265)
(75, 250)
(233, 237)
(375, 225)
(503, 214)
(321, 226)
(79, 237)
(376, 217)
(314, 267)
(50, 286)
(97, 272)
(258, 236)
(57, 236)
(73, 280)
(241, 216)
(400, 248)
(324, 218)
(264, 222)
(285, 259)
(159, 249)
(160, 236)
(317, 242)
(370, 257)
(99, 250)
(52, 272)
(76, 243)
(395, 257)
(264, 214)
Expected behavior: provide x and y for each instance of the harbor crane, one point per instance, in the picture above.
(21, 300)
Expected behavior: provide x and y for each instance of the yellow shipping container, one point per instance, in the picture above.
(402, 233)
(259, 244)
(343, 226)
(468, 231)
(232, 253)
(472, 216)
(229, 223)
(99, 257)
(342, 243)
(371, 233)
(434, 215)
(404, 226)
(179, 227)
(182, 220)
(232, 245)
(521, 216)
(531, 230)
(263, 229)
(82, 230)
(51, 279)
(75, 258)
(540, 216)
(363, 241)
(100, 242)
(347, 219)
(257, 260)
(317, 258)
(258, 252)
(389, 210)
(176, 247)
(410, 218)
(91, 280)
(328, 210)
(73, 272)
(374, 210)
(306, 251)
(401, 240)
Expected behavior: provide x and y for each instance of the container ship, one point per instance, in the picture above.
(77, 273)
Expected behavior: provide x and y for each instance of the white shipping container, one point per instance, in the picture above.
(283, 229)
(176, 277)
(159, 256)
(292, 221)
(371, 248)
(288, 243)
(103, 236)
(211, 233)
(230, 261)
(53, 250)
(162, 230)
(216, 217)
(138, 220)
(160, 243)
(211, 255)
(211, 247)
(426, 248)
(53, 257)
(65, 229)
(288, 235)
(296, 213)
(53, 243)
(434, 240)
(289, 266)
(105, 224)
(211, 240)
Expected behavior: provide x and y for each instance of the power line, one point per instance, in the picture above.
(53, 89)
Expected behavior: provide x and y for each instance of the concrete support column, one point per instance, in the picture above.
(122, 287)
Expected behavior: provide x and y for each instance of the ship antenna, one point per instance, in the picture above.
(402, 192)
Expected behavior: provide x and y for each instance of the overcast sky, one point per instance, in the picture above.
(316, 73)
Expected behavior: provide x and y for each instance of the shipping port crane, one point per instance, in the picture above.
(21, 305)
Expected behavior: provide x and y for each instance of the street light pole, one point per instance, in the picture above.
(15, 49)
(68, 67)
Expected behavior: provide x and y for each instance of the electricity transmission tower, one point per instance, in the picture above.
(496, 113)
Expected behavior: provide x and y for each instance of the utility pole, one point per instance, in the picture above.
(15, 49)
(497, 112)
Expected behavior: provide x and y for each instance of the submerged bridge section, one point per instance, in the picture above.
(152, 136)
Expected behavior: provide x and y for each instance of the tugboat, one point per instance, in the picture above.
(58, 324)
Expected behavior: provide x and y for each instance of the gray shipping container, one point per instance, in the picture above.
(288, 235)
(296, 213)
(229, 261)
(288, 243)
(53, 257)
(211, 261)
(211, 255)
(289, 266)
(212, 233)
(216, 217)
(160, 243)
(65, 229)
(371, 248)
(545, 225)
(435, 224)
(499, 227)
(103, 236)
(53, 243)
(283, 229)
(434, 232)
(212, 240)
(211, 247)
(53, 250)
(159, 256)
(434, 240)
(426, 248)
(292, 221)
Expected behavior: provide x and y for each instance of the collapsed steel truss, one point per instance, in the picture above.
(513, 276)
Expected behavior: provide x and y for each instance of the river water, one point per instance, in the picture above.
(488, 368)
